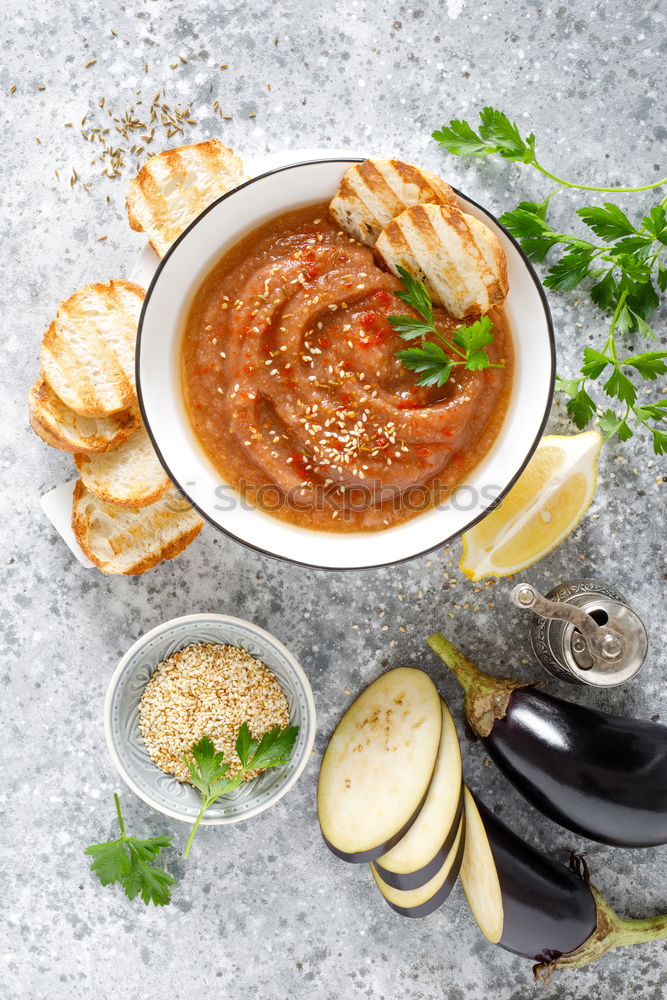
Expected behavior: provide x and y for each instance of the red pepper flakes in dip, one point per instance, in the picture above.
(301, 394)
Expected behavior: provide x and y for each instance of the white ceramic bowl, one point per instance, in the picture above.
(160, 395)
(128, 750)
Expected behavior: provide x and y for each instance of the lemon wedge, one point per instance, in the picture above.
(544, 506)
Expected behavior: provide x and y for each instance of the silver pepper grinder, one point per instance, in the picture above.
(585, 632)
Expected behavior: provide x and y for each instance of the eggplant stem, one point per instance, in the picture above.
(611, 931)
(486, 697)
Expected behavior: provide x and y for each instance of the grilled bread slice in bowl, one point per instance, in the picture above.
(374, 192)
(459, 258)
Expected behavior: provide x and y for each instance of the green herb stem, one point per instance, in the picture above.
(611, 339)
(195, 827)
(451, 346)
(207, 802)
(120, 815)
(461, 353)
(208, 768)
(595, 187)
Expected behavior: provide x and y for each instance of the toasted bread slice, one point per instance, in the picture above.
(174, 187)
(459, 259)
(130, 476)
(374, 192)
(62, 428)
(122, 541)
(87, 353)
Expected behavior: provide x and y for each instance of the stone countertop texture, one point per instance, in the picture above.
(263, 910)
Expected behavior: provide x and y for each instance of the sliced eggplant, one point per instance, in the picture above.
(428, 897)
(378, 765)
(421, 853)
(533, 906)
(479, 876)
(547, 909)
(600, 775)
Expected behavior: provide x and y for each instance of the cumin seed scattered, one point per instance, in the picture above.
(138, 121)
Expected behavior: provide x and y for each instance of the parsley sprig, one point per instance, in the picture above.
(433, 364)
(128, 861)
(623, 268)
(496, 134)
(209, 770)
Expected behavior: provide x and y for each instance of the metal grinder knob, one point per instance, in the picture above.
(585, 632)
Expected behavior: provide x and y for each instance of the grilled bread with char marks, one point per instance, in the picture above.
(459, 259)
(374, 192)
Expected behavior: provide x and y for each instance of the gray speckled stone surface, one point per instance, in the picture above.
(263, 910)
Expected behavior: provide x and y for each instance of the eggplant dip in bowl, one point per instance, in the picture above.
(344, 382)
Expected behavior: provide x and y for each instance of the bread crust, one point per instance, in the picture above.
(457, 256)
(60, 427)
(174, 187)
(83, 529)
(87, 352)
(129, 476)
(374, 192)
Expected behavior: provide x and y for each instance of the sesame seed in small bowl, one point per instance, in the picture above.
(204, 676)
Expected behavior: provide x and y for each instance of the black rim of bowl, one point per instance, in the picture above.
(289, 559)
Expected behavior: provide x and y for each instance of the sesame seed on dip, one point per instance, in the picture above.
(208, 689)
(296, 394)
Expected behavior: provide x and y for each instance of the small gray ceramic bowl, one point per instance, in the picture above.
(126, 744)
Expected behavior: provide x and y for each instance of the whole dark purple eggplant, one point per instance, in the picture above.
(600, 775)
(548, 910)
(550, 914)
